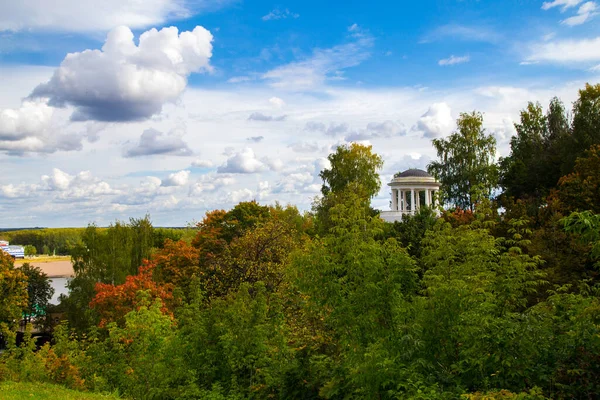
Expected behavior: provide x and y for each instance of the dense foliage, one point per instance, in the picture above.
(265, 302)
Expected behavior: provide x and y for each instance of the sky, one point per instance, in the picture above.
(120, 108)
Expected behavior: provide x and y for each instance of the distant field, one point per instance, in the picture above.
(45, 391)
(53, 266)
(41, 259)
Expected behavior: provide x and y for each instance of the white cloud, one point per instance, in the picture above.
(243, 162)
(564, 4)
(31, 128)
(239, 79)
(125, 82)
(324, 64)
(80, 186)
(258, 116)
(210, 183)
(276, 102)
(437, 121)
(93, 15)
(304, 147)
(586, 12)
(179, 178)
(237, 196)
(568, 51)
(199, 163)
(453, 60)
(463, 32)
(274, 164)
(315, 126)
(279, 14)
(153, 142)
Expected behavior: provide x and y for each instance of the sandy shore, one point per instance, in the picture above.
(54, 269)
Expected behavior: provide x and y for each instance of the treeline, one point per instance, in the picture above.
(61, 241)
(497, 298)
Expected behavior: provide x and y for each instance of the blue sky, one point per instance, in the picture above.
(104, 114)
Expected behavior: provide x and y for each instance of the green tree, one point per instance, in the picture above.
(30, 250)
(13, 294)
(465, 165)
(580, 190)
(353, 167)
(105, 256)
(352, 163)
(586, 124)
(39, 291)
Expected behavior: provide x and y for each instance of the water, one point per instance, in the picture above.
(60, 287)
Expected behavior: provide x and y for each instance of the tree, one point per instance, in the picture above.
(106, 256)
(586, 123)
(30, 250)
(537, 152)
(580, 190)
(13, 294)
(40, 291)
(352, 163)
(465, 165)
(113, 302)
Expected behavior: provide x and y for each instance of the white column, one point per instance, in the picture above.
(394, 199)
(412, 200)
(401, 200)
(427, 198)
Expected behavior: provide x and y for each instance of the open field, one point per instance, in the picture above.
(41, 259)
(54, 267)
(45, 391)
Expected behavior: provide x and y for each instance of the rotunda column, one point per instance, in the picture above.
(394, 199)
(412, 200)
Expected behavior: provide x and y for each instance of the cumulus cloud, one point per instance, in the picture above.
(563, 4)
(258, 116)
(243, 162)
(255, 139)
(279, 14)
(276, 102)
(153, 142)
(210, 183)
(81, 185)
(92, 15)
(125, 82)
(453, 60)
(436, 121)
(179, 178)
(30, 128)
(237, 196)
(274, 164)
(586, 12)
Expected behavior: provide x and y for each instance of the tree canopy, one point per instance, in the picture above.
(465, 165)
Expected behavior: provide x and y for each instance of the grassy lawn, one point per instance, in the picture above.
(44, 391)
(41, 259)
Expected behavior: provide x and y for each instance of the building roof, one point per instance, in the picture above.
(413, 172)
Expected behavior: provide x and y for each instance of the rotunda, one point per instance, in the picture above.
(411, 189)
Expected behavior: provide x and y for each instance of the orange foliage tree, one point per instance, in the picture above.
(176, 263)
(113, 302)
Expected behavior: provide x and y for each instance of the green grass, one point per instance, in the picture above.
(45, 391)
